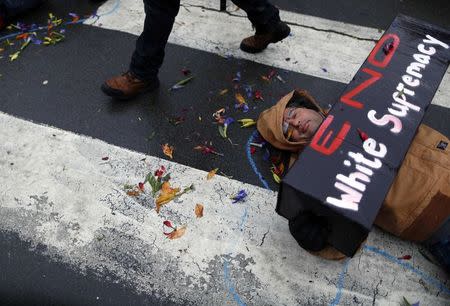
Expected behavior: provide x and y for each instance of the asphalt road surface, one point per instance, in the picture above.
(71, 235)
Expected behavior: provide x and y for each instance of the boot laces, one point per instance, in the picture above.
(129, 76)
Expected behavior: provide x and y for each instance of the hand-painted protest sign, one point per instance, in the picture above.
(346, 171)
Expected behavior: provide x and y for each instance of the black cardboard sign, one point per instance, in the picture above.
(347, 170)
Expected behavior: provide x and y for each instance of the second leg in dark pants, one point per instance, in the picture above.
(160, 17)
(265, 18)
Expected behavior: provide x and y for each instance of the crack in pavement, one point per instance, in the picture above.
(287, 22)
(264, 237)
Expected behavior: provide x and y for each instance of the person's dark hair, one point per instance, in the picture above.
(311, 231)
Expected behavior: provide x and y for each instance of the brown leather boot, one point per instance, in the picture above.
(127, 86)
(261, 39)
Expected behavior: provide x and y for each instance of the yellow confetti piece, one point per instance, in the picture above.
(14, 56)
(211, 173)
(240, 98)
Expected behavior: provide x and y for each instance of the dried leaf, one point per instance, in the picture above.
(246, 122)
(14, 56)
(168, 150)
(207, 150)
(278, 169)
(405, 257)
(362, 135)
(211, 173)
(280, 79)
(155, 183)
(75, 17)
(223, 92)
(222, 131)
(387, 48)
(168, 224)
(271, 74)
(244, 107)
(22, 36)
(258, 95)
(240, 196)
(160, 171)
(237, 78)
(167, 194)
(276, 178)
(165, 188)
(199, 210)
(181, 83)
(133, 193)
(239, 98)
(177, 233)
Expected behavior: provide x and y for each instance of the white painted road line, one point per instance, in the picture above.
(57, 191)
(315, 44)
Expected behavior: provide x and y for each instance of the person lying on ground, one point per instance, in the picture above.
(417, 206)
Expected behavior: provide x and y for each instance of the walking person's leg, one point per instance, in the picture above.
(265, 18)
(149, 53)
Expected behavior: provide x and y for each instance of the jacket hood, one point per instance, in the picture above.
(270, 121)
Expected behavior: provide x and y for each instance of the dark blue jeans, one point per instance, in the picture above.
(159, 18)
(441, 252)
(439, 245)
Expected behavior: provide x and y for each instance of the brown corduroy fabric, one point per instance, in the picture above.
(418, 201)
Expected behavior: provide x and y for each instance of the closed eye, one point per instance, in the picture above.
(290, 113)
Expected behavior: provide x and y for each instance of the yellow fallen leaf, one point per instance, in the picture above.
(240, 98)
(211, 173)
(162, 200)
(14, 56)
(199, 210)
(276, 178)
(167, 194)
(177, 233)
(168, 150)
(165, 188)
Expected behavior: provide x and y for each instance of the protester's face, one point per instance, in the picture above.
(303, 122)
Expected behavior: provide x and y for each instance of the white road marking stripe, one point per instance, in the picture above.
(57, 191)
(315, 42)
